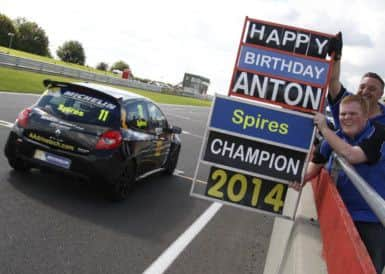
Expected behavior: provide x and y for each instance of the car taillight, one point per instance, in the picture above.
(109, 140)
(22, 118)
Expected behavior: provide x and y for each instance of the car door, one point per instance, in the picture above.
(162, 141)
(138, 135)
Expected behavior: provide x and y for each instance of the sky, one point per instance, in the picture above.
(161, 40)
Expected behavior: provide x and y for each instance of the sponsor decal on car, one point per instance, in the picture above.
(70, 110)
(52, 159)
(89, 99)
(158, 147)
(141, 123)
(50, 142)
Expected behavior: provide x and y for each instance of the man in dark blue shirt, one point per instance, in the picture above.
(371, 87)
(359, 141)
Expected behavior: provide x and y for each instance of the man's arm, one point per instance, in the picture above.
(335, 50)
(312, 171)
(335, 84)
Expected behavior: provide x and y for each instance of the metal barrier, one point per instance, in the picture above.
(374, 200)
(33, 65)
(342, 247)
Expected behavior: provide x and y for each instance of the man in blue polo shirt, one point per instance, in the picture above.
(359, 141)
(371, 87)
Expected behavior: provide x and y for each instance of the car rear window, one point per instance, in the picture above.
(81, 105)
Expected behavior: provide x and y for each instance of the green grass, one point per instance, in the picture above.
(24, 81)
(170, 99)
(30, 82)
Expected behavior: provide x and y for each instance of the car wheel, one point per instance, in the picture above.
(18, 164)
(123, 183)
(172, 160)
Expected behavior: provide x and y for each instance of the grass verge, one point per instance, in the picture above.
(31, 82)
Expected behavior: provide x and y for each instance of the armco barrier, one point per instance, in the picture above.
(343, 249)
(38, 66)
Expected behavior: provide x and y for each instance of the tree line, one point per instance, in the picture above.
(24, 35)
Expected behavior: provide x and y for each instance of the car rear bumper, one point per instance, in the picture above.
(100, 165)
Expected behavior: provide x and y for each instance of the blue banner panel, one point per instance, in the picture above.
(284, 65)
(259, 121)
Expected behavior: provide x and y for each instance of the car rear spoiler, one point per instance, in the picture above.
(48, 83)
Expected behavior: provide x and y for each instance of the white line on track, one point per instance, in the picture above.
(6, 124)
(168, 256)
(20, 93)
(178, 116)
(189, 133)
(179, 174)
(172, 252)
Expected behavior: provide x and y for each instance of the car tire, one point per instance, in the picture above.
(18, 164)
(172, 161)
(122, 185)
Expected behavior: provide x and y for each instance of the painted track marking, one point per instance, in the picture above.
(172, 252)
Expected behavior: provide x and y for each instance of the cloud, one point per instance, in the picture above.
(162, 40)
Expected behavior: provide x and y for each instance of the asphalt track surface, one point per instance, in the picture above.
(51, 223)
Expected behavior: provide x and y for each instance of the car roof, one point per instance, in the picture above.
(113, 92)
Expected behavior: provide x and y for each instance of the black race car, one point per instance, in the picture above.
(94, 131)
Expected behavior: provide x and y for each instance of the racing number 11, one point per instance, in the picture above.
(103, 115)
(238, 186)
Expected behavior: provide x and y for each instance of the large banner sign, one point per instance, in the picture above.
(282, 65)
(258, 139)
